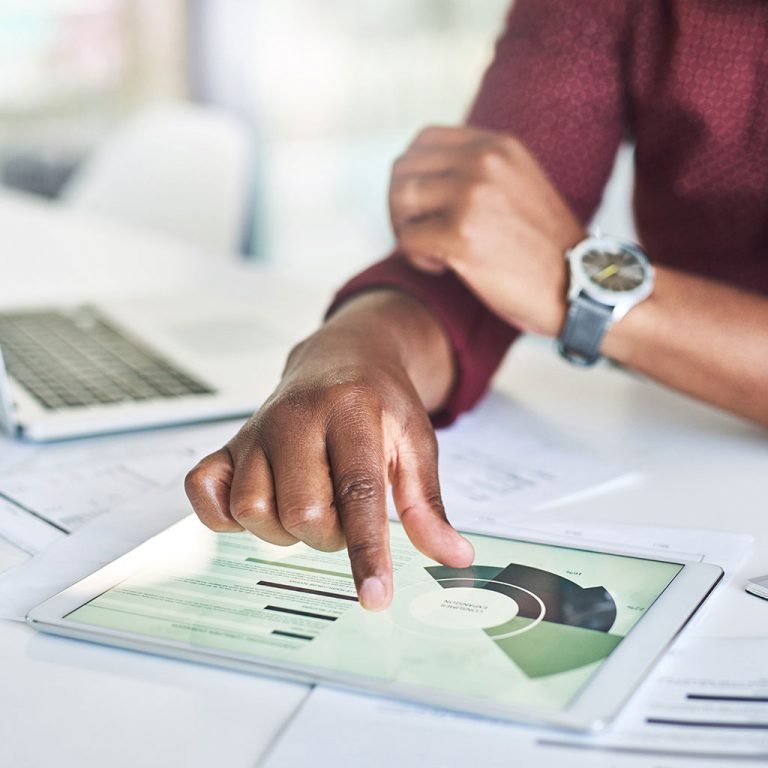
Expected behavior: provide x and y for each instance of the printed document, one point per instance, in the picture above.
(499, 462)
(706, 705)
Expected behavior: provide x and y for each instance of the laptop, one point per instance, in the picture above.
(72, 371)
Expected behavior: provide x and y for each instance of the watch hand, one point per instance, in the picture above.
(603, 274)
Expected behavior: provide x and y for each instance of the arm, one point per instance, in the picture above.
(477, 337)
(350, 414)
(493, 218)
(700, 337)
(486, 211)
(556, 75)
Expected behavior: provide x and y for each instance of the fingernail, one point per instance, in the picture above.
(373, 594)
(462, 553)
(469, 550)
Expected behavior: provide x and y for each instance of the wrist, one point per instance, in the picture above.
(560, 283)
(609, 277)
(385, 329)
(622, 341)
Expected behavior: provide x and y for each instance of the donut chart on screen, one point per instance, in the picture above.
(544, 622)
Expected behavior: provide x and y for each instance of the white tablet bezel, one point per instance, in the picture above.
(591, 709)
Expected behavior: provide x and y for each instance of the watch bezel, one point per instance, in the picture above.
(622, 301)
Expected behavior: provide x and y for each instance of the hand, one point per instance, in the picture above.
(314, 463)
(479, 204)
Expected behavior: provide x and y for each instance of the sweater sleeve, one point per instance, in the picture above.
(556, 84)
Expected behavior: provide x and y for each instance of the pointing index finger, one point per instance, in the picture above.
(358, 466)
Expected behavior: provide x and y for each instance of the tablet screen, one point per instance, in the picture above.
(528, 624)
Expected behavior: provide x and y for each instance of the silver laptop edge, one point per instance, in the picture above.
(240, 376)
(7, 418)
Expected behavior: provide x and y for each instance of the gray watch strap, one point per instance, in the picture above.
(585, 325)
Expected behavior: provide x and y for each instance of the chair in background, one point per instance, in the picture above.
(179, 169)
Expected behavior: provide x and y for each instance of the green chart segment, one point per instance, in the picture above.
(559, 626)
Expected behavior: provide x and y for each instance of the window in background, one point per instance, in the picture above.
(335, 91)
(69, 69)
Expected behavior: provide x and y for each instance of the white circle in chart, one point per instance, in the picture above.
(463, 608)
(428, 615)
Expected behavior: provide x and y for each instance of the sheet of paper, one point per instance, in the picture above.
(63, 499)
(48, 492)
(24, 529)
(76, 506)
(707, 705)
(708, 699)
(501, 461)
(724, 548)
(495, 462)
(14, 453)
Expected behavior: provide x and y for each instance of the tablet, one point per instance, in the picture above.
(531, 632)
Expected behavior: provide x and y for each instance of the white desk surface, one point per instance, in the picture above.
(69, 703)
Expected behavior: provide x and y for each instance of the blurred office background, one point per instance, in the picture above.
(314, 98)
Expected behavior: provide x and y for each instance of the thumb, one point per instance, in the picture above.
(416, 491)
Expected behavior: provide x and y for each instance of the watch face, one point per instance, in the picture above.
(619, 271)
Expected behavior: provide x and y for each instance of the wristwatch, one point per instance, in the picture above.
(609, 276)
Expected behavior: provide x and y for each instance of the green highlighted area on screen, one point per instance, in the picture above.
(528, 624)
(558, 625)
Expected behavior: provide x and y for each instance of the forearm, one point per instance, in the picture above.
(700, 337)
(389, 327)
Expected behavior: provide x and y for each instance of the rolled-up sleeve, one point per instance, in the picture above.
(556, 84)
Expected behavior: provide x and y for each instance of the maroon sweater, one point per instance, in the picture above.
(686, 80)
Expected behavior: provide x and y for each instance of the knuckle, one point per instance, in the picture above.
(358, 487)
(315, 524)
(194, 481)
(353, 397)
(475, 194)
(492, 159)
(249, 438)
(433, 504)
(304, 518)
(364, 548)
(412, 188)
(347, 391)
(295, 410)
(288, 406)
(251, 510)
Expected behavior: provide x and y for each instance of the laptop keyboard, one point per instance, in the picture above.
(77, 358)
